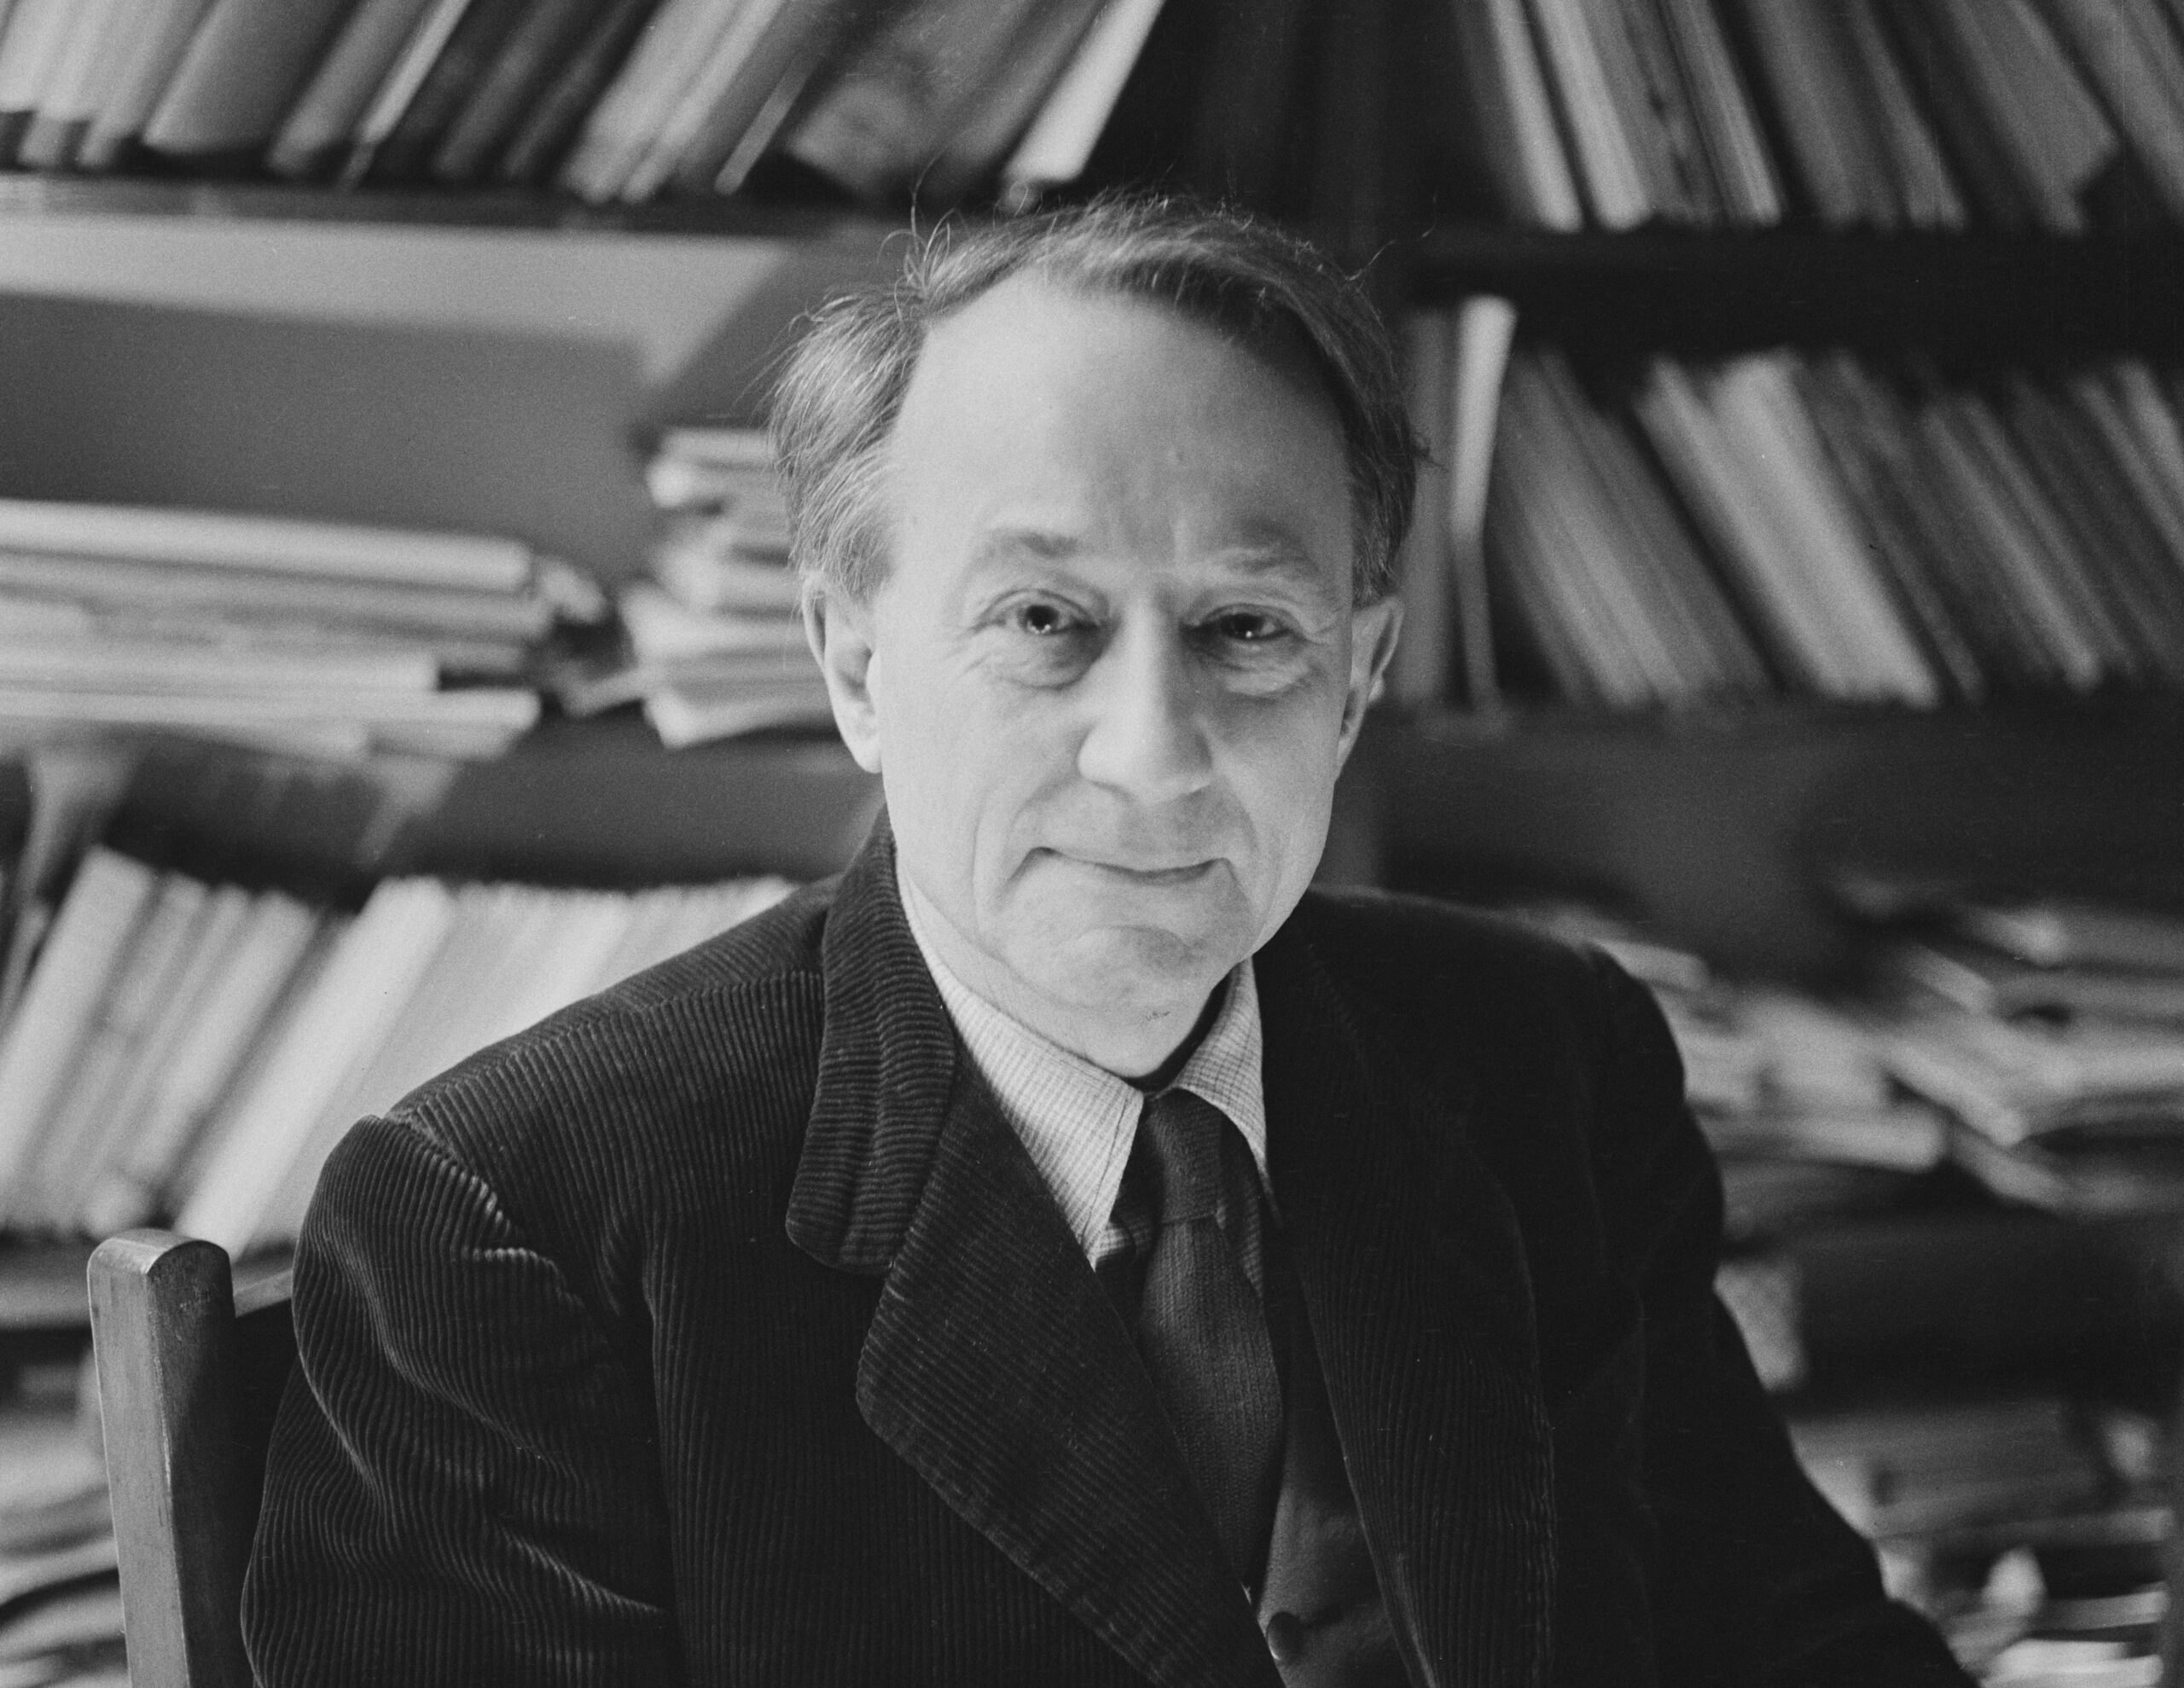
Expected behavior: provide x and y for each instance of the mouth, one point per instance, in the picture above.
(1142, 873)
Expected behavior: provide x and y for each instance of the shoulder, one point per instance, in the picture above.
(707, 1057)
(1421, 967)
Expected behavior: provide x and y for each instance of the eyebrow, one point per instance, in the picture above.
(1269, 554)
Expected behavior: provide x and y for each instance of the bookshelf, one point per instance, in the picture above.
(493, 359)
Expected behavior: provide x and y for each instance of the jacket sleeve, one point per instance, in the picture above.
(1757, 1579)
(440, 1509)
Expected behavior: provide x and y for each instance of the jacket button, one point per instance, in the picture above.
(1285, 1638)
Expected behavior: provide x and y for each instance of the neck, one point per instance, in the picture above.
(1144, 1047)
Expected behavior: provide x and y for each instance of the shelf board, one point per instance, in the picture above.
(2142, 716)
(1727, 287)
(42, 1287)
(25, 195)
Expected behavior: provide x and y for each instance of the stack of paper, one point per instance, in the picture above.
(312, 636)
(715, 640)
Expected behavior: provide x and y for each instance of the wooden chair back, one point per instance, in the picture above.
(190, 1373)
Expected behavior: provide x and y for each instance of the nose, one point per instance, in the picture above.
(1145, 739)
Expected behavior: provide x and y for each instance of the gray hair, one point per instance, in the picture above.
(843, 383)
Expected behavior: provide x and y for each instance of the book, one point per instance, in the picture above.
(96, 663)
(1925, 192)
(406, 152)
(512, 83)
(1605, 150)
(404, 74)
(2125, 50)
(1743, 454)
(90, 936)
(373, 967)
(1986, 982)
(2015, 1081)
(37, 35)
(1745, 184)
(209, 539)
(141, 71)
(1421, 673)
(1515, 113)
(248, 595)
(2058, 139)
(661, 63)
(239, 988)
(1059, 142)
(767, 45)
(77, 82)
(977, 139)
(2064, 933)
(45, 1198)
(889, 111)
(315, 136)
(1811, 70)
(246, 63)
(539, 143)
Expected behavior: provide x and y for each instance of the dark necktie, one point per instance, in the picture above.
(1200, 1325)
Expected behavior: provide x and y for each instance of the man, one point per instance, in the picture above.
(1064, 1249)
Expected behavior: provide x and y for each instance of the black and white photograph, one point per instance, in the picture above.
(1057, 844)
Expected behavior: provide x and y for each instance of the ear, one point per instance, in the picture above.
(1372, 631)
(839, 632)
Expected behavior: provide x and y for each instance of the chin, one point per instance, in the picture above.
(1142, 969)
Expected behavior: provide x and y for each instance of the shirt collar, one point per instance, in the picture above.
(1077, 1121)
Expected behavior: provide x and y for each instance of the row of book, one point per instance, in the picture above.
(1815, 523)
(60, 1592)
(2013, 1498)
(611, 99)
(712, 637)
(320, 638)
(2037, 1045)
(191, 1051)
(2049, 114)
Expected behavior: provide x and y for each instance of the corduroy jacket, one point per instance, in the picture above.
(718, 1330)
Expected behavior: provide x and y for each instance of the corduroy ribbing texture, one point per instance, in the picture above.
(719, 1331)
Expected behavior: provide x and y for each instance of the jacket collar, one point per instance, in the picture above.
(997, 1368)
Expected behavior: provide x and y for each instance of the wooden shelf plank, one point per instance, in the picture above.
(1689, 288)
(25, 195)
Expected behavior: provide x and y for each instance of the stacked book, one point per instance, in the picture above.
(2029, 1528)
(1820, 525)
(2053, 1034)
(60, 1592)
(1793, 1090)
(610, 99)
(2045, 114)
(192, 1051)
(713, 638)
(315, 637)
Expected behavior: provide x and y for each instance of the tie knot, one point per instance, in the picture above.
(1183, 1135)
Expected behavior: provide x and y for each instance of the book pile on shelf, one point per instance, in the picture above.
(2053, 1035)
(1793, 1092)
(2029, 1523)
(1819, 525)
(714, 635)
(2030, 1527)
(318, 638)
(191, 1051)
(615, 99)
(59, 1592)
(2058, 115)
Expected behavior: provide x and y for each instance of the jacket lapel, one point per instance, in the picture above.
(996, 1366)
(1408, 1258)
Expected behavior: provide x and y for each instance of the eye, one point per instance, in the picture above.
(1042, 620)
(1246, 627)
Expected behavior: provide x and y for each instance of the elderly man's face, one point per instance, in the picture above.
(1115, 666)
